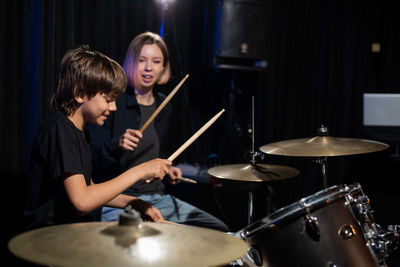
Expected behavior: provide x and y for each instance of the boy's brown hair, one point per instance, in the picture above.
(86, 72)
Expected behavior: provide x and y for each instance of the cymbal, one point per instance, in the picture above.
(253, 173)
(323, 146)
(111, 244)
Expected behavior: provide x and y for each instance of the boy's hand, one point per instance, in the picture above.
(156, 168)
(147, 211)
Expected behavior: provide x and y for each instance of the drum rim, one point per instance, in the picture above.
(299, 208)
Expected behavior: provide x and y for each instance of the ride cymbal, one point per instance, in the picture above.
(323, 146)
(111, 244)
(253, 173)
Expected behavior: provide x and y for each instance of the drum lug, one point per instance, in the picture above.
(312, 227)
(346, 231)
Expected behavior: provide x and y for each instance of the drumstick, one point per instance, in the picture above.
(160, 107)
(187, 180)
(191, 140)
(183, 179)
(165, 221)
(195, 136)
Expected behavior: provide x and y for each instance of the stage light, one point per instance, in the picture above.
(164, 8)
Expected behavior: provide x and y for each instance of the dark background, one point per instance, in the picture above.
(319, 63)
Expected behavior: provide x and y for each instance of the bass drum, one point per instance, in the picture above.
(327, 229)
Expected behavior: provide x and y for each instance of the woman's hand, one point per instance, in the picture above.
(130, 139)
(174, 173)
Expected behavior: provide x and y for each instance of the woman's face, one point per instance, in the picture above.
(150, 67)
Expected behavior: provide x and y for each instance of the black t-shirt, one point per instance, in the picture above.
(110, 160)
(59, 149)
(148, 148)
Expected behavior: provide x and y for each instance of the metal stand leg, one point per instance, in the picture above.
(250, 208)
(325, 176)
(323, 161)
(270, 205)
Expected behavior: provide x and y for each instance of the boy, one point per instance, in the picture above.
(59, 188)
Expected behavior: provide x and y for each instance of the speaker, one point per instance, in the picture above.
(238, 33)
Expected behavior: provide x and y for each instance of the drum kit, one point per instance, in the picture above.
(333, 227)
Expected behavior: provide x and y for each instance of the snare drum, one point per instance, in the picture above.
(331, 228)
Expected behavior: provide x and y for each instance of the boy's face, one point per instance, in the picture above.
(97, 108)
(150, 67)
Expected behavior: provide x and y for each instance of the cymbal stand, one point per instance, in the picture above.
(252, 162)
(323, 131)
(250, 208)
(323, 162)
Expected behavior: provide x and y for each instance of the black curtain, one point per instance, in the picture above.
(320, 63)
(320, 66)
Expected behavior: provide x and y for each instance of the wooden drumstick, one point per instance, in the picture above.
(183, 179)
(160, 107)
(186, 180)
(195, 136)
(191, 140)
(169, 222)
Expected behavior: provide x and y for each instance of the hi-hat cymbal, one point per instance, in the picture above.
(323, 146)
(111, 244)
(253, 173)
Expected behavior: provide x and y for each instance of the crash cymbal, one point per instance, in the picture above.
(111, 244)
(253, 173)
(323, 146)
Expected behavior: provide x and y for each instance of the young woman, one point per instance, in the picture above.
(118, 145)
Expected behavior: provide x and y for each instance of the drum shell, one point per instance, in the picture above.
(287, 243)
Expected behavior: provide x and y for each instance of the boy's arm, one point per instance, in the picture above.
(88, 198)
